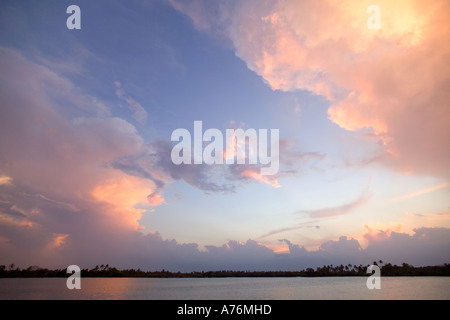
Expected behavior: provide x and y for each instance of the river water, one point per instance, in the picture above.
(435, 288)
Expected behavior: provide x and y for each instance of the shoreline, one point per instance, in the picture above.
(104, 271)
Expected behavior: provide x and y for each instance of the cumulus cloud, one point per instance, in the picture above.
(343, 248)
(425, 244)
(76, 187)
(393, 80)
(154, 163)
(294, 249)
(72, 189)
(55, 174)
(103, 242)
(54, 166)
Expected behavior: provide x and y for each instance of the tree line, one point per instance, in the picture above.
(349, 270)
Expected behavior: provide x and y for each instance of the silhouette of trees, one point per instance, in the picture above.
(387, 269)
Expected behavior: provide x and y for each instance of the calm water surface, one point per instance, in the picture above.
(228, 288)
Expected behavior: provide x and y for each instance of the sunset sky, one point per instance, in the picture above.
(86, 118)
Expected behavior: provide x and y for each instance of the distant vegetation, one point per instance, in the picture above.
(326, 271)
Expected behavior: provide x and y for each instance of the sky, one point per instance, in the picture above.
(87, 115)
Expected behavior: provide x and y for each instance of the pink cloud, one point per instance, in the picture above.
(155, 199)
(62, 163)
(393, 80)
(257, 176)
(76, 187)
